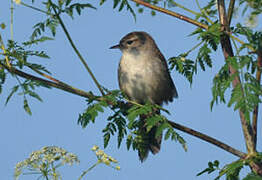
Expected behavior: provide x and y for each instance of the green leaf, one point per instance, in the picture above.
(161, 128)
(68, 2)
(236, 96)
(184, 66)
(14, 89)
(124, 3)
(78, 7)
(116, 3)
(36, 41)
(26, 107)
(252, 176)
(168, 133)
(106, 139)
(129, 141)
(232, 169)
(152, 121)
(212, 166)
(34, 95)
(203, 56)
(91, 113)
(2, 76)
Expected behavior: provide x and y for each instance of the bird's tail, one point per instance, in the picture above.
(149, 142)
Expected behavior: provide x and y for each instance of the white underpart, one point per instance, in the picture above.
(140, 78)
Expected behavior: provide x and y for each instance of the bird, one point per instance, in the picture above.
(143, 76)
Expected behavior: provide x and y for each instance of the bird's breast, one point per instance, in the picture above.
(139, 77)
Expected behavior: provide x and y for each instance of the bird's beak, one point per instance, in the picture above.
(115, 47)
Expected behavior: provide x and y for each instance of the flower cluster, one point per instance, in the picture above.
(43, 161)
(104, 158)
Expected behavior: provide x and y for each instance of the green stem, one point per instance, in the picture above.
(240, 41)
(76, 50)
(204, 12)
(12, 20)
(89, 169)
(184, 8)
(193, 48)
(35, 8)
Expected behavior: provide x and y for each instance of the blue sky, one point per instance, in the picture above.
(54, 122)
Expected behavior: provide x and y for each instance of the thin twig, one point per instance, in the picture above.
(184, 8)
(230, 11)
(37, 9)
(171, 13)
(193, 48)
(208, 139)
(76, 50)
(240, 41)
(204, 12)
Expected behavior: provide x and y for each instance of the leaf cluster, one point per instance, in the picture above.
(135, 120)
(251, 7)
(62, 6)
(233, 169)
(69, 6)
(254, 38)
(209, 41)
(121, 4)
(245, 96)
(188, 67)
(18, 56)
(207, 11)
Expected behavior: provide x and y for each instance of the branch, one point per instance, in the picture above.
(76, 50)
(58, 84)
(228, 52)
(208, 139)
(171, 13)
(63, 86)
(255, 112)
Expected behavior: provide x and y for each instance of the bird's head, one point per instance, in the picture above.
(134, 42)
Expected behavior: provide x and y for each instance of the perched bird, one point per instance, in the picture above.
(143, 76)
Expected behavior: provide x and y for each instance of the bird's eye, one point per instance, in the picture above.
(129, 42)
